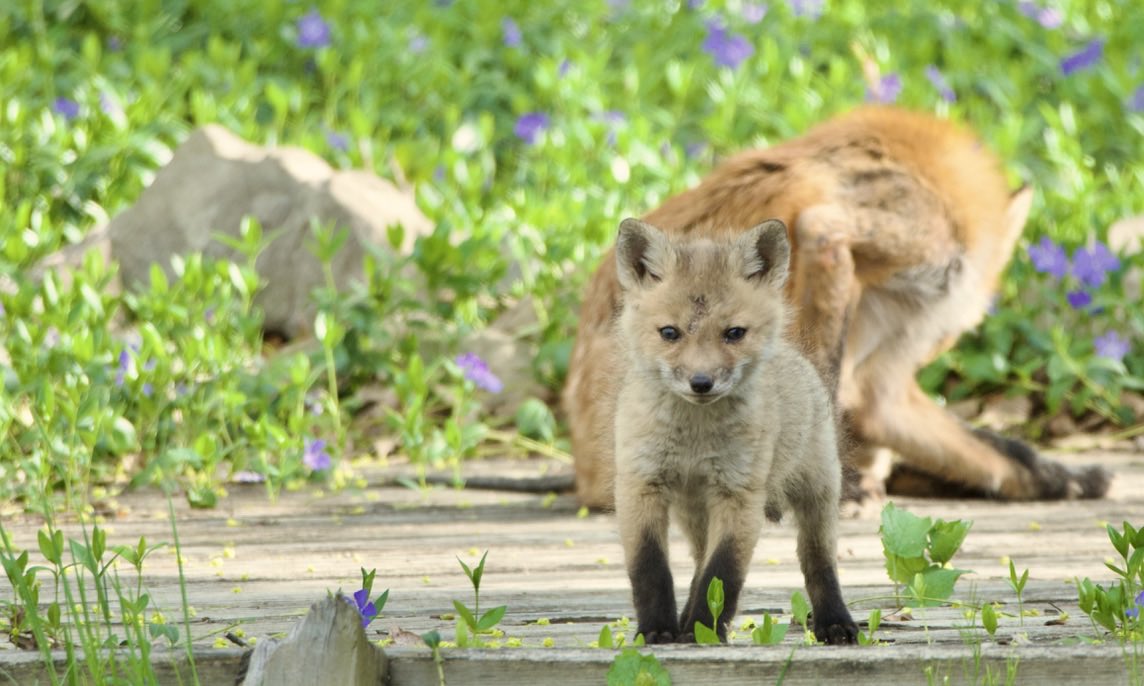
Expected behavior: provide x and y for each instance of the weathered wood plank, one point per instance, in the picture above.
(259, 565)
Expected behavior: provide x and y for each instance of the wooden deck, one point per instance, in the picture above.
(258, 566)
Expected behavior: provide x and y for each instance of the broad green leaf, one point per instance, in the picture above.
(945, 539)
(903, 533)
(705, 635)
(490, 618)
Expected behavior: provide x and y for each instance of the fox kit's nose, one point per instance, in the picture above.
(701, 383)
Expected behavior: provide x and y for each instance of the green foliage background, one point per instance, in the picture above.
(432, 89)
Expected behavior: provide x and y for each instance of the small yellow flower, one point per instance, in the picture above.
(543, 621)
(232, 523)
(548, 642)
(582, 512)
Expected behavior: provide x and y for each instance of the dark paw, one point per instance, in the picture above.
(685, 637)
(836, 628)
(654, 637)
(1055, 481)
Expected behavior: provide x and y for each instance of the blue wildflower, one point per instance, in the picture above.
(337, 141)
(562, 70)
(886, 91)
(1084, 58)
(1079, 300)
(418, 43)
(66, 108)
(315, 456)
(475, 370)
(753, 12)
(1111, 345)
(247, 477)
(1136, 102)
(1049, 258)
(313, 31)
(364, 606)
(940, 83)
(512, 35)
(811, 9)
(1048, 17)
(124, 367)
(728, 49)
(1091, 265)
(530, 125)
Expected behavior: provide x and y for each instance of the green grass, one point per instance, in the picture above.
(172, 381)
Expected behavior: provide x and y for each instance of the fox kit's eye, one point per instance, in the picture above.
(733, 334)
(669, 333)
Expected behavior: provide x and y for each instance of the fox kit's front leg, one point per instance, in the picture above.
(642, 511)
(734, 521)
(816, 514)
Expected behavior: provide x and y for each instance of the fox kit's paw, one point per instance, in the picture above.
(835, 627)
(666, 636)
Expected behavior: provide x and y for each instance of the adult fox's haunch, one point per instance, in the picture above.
(900, 225)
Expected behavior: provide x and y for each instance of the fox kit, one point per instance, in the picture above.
(900, 225)
(718, 421)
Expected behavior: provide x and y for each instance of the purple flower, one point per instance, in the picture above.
(1079, 299)
(66, 107)
(1047, 17)
(939, 82)
(367, 609)
(562, 70)
(811, 9)
(886, 91)
(753, 12)
(1091, 265)
(108, 105)
(1111, 346)
(728, 49)
(418, 44)
(337, 141)
(475, 370)
(148, 389)
(694, 4)
(315, 456)
(124, 367)
(208, 315)
(313, 31)
(114, 43)
(694, 150)
(512, 35)
(1085, 58)
(1136, 102)
(1132, 612)
(1049, 258)
(247, 477)
(530, 125)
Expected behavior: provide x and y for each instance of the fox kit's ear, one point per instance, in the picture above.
(641, 254)
(766, 253)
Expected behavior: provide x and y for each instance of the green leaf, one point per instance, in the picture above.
(945, 539)
(904, 534)
(989, 618)
(490, 618)
(604, 640)
(799, 608)
(479, 571)
(769, 632)
(465, 614)
(630, 667)
(431, 638)
(936, 584)
(902, 570)
(705, 635)
(535, 420)
(463, 638)
(715, 599)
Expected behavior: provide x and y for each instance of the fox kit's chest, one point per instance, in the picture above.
(684, 446)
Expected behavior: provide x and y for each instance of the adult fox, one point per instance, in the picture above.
(900, 226)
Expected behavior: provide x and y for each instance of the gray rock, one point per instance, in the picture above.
(215, 179)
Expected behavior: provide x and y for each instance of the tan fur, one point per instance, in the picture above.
(763, 436)
(900, 225)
